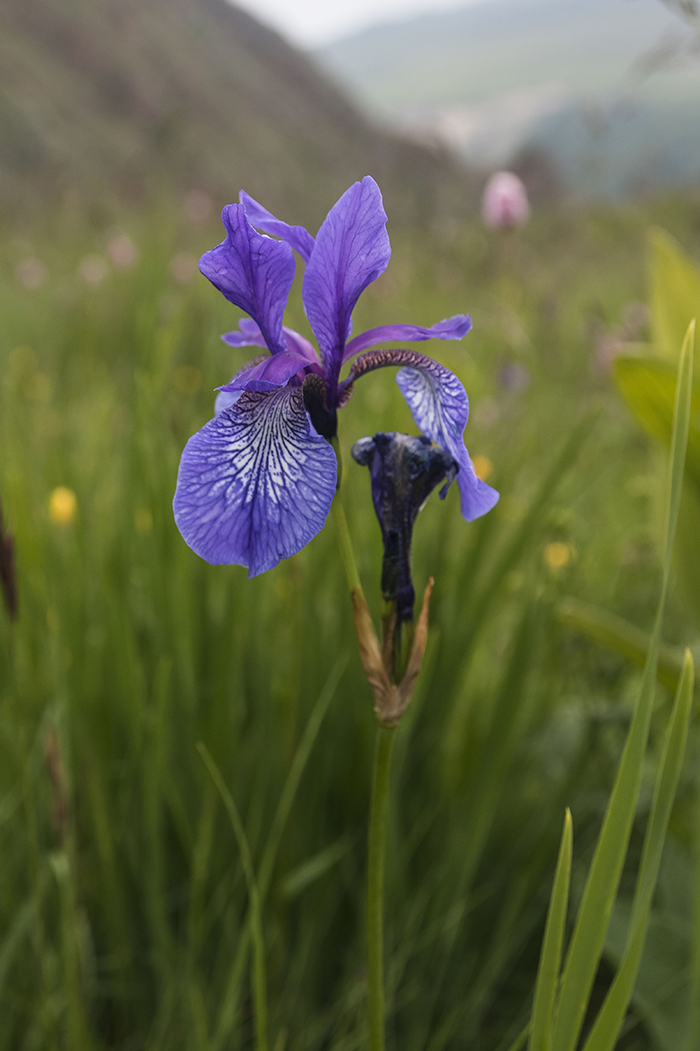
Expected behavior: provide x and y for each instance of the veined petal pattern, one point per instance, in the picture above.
(440, 408)
(254, 484)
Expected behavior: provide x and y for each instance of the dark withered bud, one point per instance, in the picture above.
(8, 574)
(325, 420)
(404, 470)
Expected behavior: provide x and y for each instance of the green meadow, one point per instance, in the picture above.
(124, 907)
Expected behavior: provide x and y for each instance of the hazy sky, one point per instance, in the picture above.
(313, 22)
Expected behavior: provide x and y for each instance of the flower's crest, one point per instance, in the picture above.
(256, 483)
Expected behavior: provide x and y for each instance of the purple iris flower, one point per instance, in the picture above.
(256, 483)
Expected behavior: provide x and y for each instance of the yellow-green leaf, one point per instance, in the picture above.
(675, 293)
(648, 386)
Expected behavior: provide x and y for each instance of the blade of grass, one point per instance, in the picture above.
(289, 789)
(612, 1014)
(550, 960)
(606, 868)
(481, 804)
(519, 1042)
(692, 1040)
(617, 634)
(259, 977)
(231, 998)
(509, 557)
(528, 527)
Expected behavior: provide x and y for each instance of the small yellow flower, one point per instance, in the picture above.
(558, 555)
(63, 505)
(482, 466)
(187, 379)
(143, 520)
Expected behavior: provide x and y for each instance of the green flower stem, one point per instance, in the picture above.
(375, 887)
(345, 542)
(377, 824)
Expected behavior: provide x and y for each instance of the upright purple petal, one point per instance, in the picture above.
(451, 328)
(254, 485)
(440, 408)
(259, 217)
(352, 249)
(252, 271)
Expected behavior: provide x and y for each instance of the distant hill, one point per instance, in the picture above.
(500, 76)
(136, 96)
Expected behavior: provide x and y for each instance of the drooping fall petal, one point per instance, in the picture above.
(254, 484)
(440, 409)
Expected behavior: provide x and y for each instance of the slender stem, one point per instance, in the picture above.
(345, 542)
(377, 824)
(375, 887)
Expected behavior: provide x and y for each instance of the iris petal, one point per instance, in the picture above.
(252, 271)
(296, 236)
(450, 328)
(225, 399)
(352, 249)
(440, 408)
(249, 335)
(267, 374)
(254, 485)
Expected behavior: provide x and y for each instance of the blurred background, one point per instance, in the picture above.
(125, 126)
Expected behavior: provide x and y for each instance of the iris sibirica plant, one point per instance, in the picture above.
(257, 482)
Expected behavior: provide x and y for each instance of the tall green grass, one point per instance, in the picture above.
(125, 911)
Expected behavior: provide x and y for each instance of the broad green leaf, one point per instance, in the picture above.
(550, 959)
(617, 634)
(606, 868)
(611, 1016)
(648, 387)
(674, 293)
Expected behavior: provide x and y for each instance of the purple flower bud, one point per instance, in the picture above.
(404, 470)
(505, 202)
